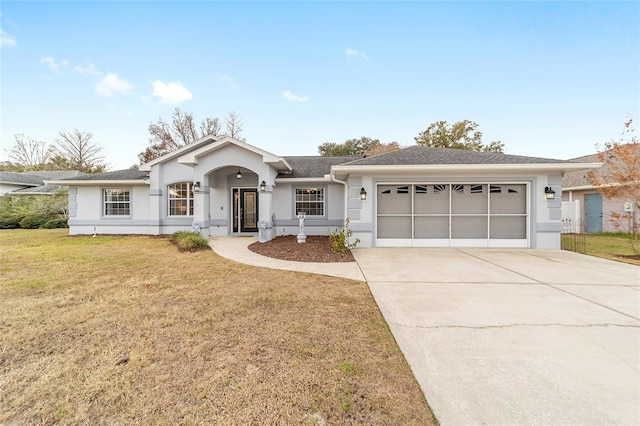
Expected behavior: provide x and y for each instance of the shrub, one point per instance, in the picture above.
(340, 239)
(9, 222)
(189, 241)
(54, 223)
(33, 222)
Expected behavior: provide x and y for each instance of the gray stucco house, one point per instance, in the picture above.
(417, 196)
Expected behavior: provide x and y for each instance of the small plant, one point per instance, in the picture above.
(340, 239)
(189, 241)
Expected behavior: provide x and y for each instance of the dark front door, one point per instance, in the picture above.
(593, 213)
(245, 210)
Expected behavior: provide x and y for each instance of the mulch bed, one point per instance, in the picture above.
(286, 247)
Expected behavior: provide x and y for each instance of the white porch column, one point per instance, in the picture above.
(201, 209)
(265, 203)
(155, 202)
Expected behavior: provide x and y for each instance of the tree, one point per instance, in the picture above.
(75, 150)
(29, 154)
(354, 147)
(619, 176)
(382, 148)
(350, 147)
(182, 130)
(460, 135)
(234, 126)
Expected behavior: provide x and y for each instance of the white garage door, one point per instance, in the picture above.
(452, 215)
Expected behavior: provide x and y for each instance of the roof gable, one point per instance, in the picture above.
(192, 157)
(179, 152)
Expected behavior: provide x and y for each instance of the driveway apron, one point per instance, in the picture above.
(514, 336)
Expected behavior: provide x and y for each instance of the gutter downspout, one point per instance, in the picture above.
(346, 193)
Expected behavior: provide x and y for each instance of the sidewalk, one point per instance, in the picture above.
(235, 248)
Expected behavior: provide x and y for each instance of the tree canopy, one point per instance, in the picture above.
(166, 137)
(619, 176)
(353, 147)
(460, 135)
(74, 150)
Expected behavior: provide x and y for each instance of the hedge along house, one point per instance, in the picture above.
(416, 196)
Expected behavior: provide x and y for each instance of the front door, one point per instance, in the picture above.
(593, 213)
(245, 210)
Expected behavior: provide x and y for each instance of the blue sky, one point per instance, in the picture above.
(548, 79)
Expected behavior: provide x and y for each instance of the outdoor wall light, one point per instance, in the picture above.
(263, 186)
(363, 194)
(239, 174)
(196, 186)
(549, 193)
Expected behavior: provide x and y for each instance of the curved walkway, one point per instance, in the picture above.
(236, 249)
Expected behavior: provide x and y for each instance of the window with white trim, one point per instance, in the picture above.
(310, 201)
(181, 199)
(117, 201)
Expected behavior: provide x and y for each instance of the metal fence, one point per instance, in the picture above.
(573, 235)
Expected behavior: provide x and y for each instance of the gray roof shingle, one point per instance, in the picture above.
(422, 155)
(126, 174)
(313, 166)
(36, 178)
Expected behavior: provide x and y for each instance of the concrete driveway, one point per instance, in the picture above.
(514, 336)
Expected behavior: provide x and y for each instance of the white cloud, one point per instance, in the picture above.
(171, 93)
(53, 65)
(290, 96)
(353, 52)
(88, 70)
(6, 40)
(112, 85)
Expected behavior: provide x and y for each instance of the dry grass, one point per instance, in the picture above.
(127, 330)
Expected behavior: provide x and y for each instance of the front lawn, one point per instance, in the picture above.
(127, 329)
(620, 247)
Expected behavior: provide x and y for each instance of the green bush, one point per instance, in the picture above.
(58, 222)
(340, 239)
(9, 222)
(33, 222)
(189, 241)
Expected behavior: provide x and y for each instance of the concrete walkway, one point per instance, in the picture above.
(235, 248)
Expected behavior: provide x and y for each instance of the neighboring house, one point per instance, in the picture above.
(32, 183)
(416, 196)
(583, 203)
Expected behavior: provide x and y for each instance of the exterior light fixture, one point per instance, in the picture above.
(363, 194)
(263, 186)
(239, 174)
(196, 187)
(549, 193)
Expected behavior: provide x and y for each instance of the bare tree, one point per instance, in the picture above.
(234, 126)
(28, 153)
(182, 130)
(210, 126)
(79, 152)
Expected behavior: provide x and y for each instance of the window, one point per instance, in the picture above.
(117, 202)
(181, 199)
(310, 201)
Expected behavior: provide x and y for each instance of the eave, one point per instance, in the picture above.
(131, 182)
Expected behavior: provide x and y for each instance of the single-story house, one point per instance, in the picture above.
(417, 196)
(32, 183)
(584, 204)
